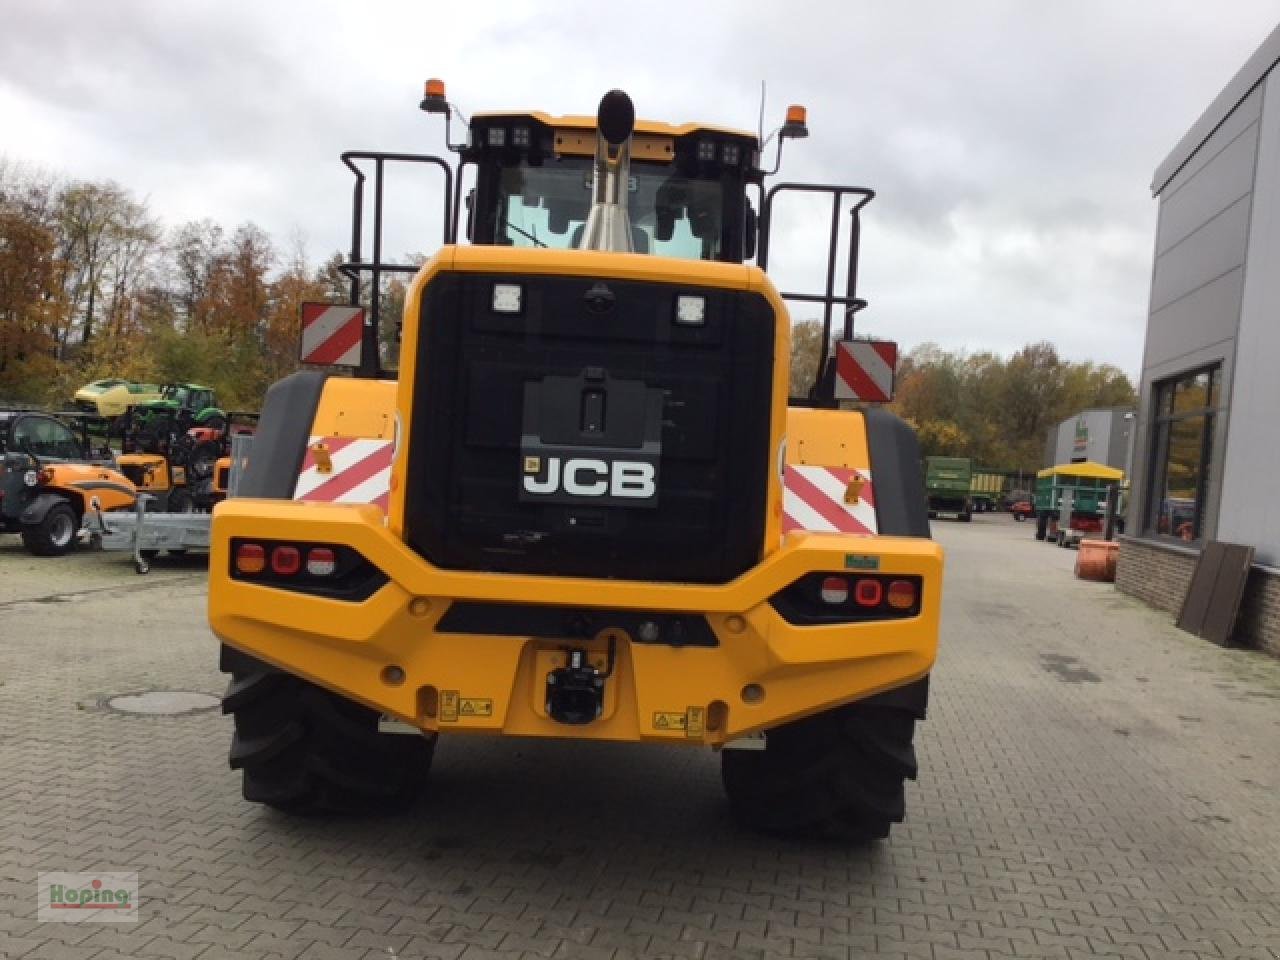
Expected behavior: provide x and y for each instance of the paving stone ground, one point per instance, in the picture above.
(1094, 783)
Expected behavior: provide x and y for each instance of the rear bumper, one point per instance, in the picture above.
(688, 694)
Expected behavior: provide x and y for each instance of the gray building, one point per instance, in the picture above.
(1207, 451)
(1102, 435)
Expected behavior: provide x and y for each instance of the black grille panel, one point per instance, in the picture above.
(136, 473)
(700, 396)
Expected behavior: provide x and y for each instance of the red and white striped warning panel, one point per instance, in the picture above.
(864, 370)
(346, 470)
(828, 500)
(331, 334)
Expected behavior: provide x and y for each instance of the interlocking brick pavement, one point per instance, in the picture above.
(1093, 784)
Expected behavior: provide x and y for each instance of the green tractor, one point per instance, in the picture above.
(155, 427)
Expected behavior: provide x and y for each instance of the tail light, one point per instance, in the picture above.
(827, 598)
(902, 594)
(321, 562)
(286, 560)
(835, 590)
(329, 570)
(869, 592)
(250, 558)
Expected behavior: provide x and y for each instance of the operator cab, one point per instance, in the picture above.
(686, 188)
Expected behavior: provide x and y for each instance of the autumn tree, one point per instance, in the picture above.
(27, 296)
(999, 411)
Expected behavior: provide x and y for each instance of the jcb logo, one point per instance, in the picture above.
(589, 477)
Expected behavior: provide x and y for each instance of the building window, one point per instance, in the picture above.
(1185, 408)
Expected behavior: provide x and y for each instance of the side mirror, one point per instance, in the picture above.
(750, 227)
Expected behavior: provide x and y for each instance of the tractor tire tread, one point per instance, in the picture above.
(838, 775)
(304, 750)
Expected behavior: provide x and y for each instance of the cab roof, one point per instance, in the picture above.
(583, 122)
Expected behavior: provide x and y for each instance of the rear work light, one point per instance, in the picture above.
(829, 598)
(691, 311)
(328, 570)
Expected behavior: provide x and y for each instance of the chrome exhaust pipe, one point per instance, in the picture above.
(608, 225)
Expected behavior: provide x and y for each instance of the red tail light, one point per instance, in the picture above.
(285, 561)
(868, 592)
(829, 598)
(250, 558)
(321, 569)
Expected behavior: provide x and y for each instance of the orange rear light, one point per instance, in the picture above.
(250, 558)
(902, 594)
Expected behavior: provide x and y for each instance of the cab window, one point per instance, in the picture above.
(44, 437)
(671, 215)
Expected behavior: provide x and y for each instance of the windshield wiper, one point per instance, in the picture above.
(524, 233)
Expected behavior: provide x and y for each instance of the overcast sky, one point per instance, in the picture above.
(1011, 144)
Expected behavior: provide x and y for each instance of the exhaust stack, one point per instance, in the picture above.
(608, 225)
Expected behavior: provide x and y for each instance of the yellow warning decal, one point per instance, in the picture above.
(668, 721)
(448, 706)
(693, 721)
(475, 707)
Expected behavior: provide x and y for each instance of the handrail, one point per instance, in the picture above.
(357, 266)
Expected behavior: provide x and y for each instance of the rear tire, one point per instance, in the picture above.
(55, 534)
(839, 774)
(305, 750)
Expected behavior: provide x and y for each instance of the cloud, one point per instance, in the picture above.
(1010, 144)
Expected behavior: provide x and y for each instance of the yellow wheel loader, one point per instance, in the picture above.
(584, 506)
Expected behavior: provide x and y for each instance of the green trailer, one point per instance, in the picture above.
(986, 490)
(947, 481)
(1071, 500)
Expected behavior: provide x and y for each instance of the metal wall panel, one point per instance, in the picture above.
(1206, 316)
(1211, 250)
(1218, 113)
(1229, 179)
(1246, 112)
(1250, 509)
